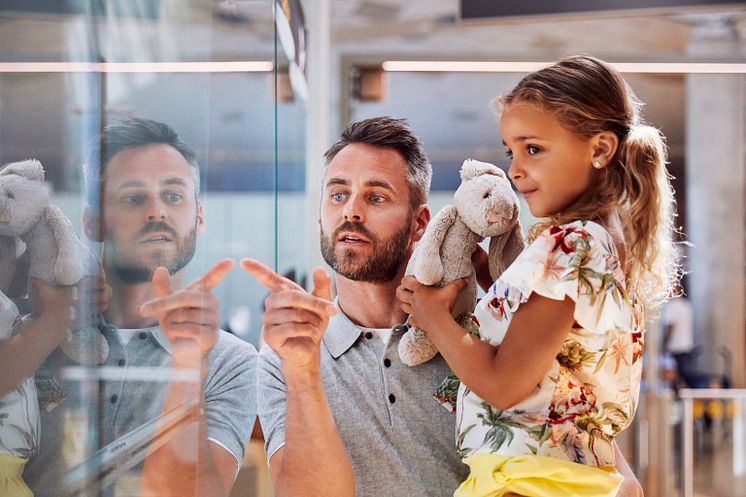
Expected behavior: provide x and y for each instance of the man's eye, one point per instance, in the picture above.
(133, 199)
(174, 198)
(533, 150)
(377, 199)
(337, 197)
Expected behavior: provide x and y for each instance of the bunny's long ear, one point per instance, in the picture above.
(504, 249)
(31, 169)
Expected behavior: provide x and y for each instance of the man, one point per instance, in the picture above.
(340, 412)
(148, 222)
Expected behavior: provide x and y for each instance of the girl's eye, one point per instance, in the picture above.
(533, 150)
(337, 197)
(509, 153)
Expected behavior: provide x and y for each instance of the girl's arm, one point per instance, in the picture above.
(22, 354)
(501, 376)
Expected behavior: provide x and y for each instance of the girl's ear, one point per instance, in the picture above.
(605, 145)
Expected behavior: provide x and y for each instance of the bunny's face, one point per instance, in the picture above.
(485, 200)
(23, 197)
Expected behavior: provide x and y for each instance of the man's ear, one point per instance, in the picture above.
(200, 220)
(605, 145)
(420, 221)
(92, 225)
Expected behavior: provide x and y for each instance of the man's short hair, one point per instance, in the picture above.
(132, 133)
(387, 132)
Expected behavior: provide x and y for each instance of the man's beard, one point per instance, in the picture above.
(131, 270)
(382, 266)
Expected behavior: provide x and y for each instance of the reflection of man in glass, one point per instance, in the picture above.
(149, 219)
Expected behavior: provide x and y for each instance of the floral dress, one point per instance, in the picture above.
(590, 392)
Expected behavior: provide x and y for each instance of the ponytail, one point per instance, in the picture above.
(647, 213)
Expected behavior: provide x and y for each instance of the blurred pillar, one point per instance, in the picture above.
(716, 189)
(318, 18)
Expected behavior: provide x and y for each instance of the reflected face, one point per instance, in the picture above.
(551, 166)
(151, 216)
(366, 220)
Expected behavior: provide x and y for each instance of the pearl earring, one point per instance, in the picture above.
(597, 164)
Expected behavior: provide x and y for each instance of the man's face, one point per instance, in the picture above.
(150, 212)
(366, 219)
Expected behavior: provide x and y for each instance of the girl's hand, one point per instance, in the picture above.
(428, 306)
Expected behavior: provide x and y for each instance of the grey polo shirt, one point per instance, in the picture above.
(399, 439)
(122, 405)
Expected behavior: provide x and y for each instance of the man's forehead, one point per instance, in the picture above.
(156, 164)
(366, 164)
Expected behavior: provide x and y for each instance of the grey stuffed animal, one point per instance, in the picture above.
(484, 206)
(56, 254)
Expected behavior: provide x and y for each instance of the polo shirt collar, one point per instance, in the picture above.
(160, 338)
(341, 335)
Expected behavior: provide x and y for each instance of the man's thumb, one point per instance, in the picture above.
(322, 284)
(161, 282)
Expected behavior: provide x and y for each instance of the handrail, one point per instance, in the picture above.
(688, 395)
(712, 393)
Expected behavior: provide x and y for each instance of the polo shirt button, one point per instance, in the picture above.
(114, 399)
(368, 335)
(121, 362)
(143, 335)
(392, 398)
(387, 362)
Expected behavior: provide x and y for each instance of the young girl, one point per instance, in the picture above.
(537, 415)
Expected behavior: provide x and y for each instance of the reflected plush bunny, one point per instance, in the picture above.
(56, 254)
(484, 206)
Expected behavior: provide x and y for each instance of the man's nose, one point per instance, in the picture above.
(156, 210)
(355, 209)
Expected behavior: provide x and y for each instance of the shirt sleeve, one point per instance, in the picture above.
(569, 262)
(273, 392)
(8, 317)
(230, 395)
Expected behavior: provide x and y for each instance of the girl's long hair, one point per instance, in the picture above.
(587, 97)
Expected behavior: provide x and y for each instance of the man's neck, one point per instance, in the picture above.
(372, 305)
(124, 307)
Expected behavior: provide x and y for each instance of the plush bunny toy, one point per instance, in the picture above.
(56, 254)
(484, 206)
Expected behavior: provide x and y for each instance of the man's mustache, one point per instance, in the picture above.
(158, 227)
(354, 228)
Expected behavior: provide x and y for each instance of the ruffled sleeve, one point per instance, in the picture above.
(576, 260)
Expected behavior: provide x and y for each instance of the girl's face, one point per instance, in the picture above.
(551, 166)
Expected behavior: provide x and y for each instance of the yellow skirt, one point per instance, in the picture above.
(11, 477)
(493, 475)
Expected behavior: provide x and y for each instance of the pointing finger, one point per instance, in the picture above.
(267, 277)
(213, 276)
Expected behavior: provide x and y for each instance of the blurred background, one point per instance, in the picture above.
(260, 89)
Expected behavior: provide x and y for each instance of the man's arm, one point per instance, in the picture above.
(188, 464)
(312, 461)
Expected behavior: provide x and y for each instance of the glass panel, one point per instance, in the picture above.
(206, 70)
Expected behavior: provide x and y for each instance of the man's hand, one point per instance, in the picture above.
(294, 320)
(189, 318)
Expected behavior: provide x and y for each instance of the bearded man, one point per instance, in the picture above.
(341, 414)
(144, 208)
